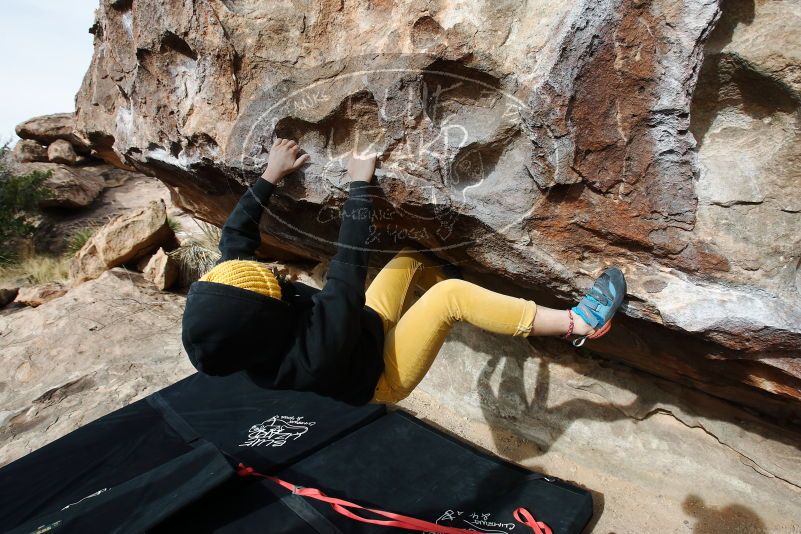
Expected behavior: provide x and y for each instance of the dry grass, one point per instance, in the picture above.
(211, 235)
(174, 224)
(36, 269)
(79, 239)
(196, 257)
(194, 260)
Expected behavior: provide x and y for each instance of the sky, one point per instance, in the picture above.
(45, 49)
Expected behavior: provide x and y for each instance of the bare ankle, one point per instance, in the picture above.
(580, 328)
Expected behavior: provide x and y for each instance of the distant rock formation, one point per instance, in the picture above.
(49, 145)
(61, 151)
(124, 211)
(28, 150)
(124, 239)
(47, 129)
(68, 187)
(533, 145)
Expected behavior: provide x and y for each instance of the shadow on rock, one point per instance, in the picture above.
(726, 519)
(527, 417)
(511, 404)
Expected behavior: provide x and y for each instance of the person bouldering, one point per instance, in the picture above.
(342, 341)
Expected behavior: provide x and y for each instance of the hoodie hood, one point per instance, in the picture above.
(227, 329)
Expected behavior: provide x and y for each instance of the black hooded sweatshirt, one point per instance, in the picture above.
(326, 341)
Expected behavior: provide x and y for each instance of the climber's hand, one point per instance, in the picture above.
(361, 166)
(283, 160)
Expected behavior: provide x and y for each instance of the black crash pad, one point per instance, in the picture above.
(399, 464)
(137, 461)
(265, 428)
(165, 464)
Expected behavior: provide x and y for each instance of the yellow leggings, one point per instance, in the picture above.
(413, 337)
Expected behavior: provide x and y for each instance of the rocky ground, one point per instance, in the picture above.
(657, 456)
(72, 359)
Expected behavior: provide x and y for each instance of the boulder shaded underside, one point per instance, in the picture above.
(533, 146)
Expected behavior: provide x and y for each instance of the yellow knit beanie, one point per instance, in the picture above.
(246, 274)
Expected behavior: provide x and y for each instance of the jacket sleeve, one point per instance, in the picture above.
(240, 234)
(349, 265)
(334, 326)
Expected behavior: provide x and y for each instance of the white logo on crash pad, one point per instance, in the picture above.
(276, 431)
(480, 522)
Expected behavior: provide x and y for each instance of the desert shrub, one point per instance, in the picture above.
(211, 235)
(19, 199)
(174, 224)
(78, 239)
(194, 260)
(197, 256)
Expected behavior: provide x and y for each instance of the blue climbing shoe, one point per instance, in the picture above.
(601, 303)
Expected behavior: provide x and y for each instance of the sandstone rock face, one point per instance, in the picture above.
(532, 146)
(34, 296)
(161, 270)
(61, 151)
(49, 128)
(67, 187)
(745, 117)
(27, 150)
(124, 239)
(105, 344)
(70, 188)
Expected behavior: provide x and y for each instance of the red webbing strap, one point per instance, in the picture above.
(537, 526)
(344, 507)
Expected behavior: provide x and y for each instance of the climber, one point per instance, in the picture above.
(341, 341)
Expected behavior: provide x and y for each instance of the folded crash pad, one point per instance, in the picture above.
(401, 464)
(169, 462)
(265, 428)
(154, 456)
(397, 464)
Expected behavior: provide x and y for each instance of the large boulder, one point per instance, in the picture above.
(49, 128)
(61, 151)
(532, 146)
(67, 187)
(27, 150)
(124, 239)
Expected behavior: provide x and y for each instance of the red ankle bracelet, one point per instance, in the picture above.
(570, 327)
